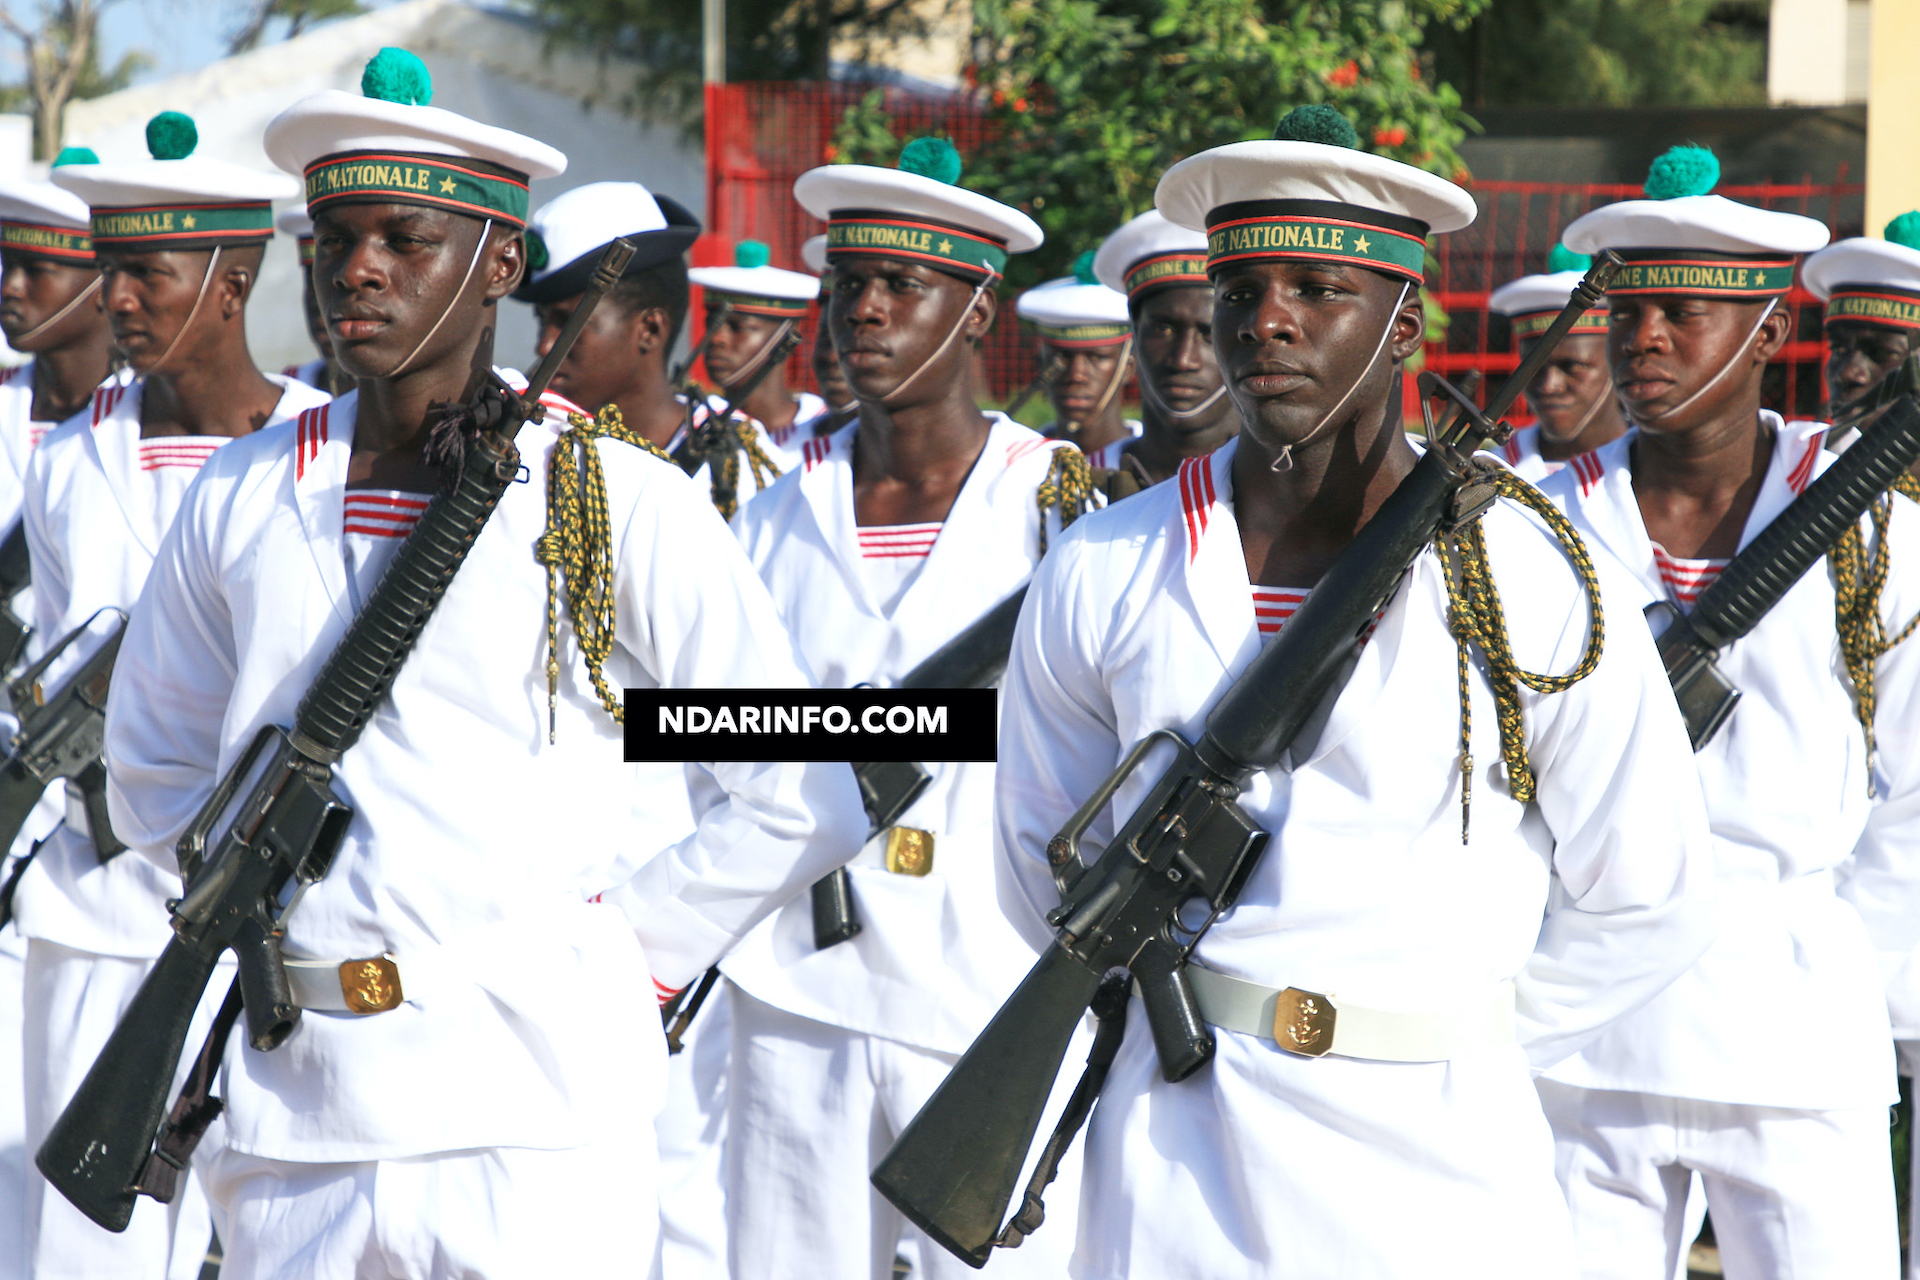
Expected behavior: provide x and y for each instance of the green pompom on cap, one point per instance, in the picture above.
(1317, 122)
(171, 136)
(1083, 268)
(1904, 230)
(931, 158)
(397, 75)
(751, 254)
(1682, 171)
(77, 155)
(537, 253)
(1565, 259)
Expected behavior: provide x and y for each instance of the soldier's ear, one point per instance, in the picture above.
(507, 263)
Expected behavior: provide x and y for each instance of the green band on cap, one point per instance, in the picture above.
(951, 249)
(1705, 276)
(1868, 305)
(1167, 269)
(305, 244)
(63, 244)
(1535, 323)
(1085, 335)
(183, 226)
(1326, 239)
(783, 308)
(439, 182)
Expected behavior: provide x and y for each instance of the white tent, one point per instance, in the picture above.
(486, 64)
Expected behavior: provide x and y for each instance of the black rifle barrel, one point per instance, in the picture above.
(1780, 554)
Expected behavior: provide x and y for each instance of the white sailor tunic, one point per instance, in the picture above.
(1265, 1163)
(478, 846)
(936, 955)
(1521, 453)
(1803, 849)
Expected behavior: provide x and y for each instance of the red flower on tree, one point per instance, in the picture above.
(1389, 137)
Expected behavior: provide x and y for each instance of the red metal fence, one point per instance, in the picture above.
(761, 136)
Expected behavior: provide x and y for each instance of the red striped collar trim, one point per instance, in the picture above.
(309, 434)
(814, 452)
(1196, 500)
(1588, 469)
(1802, 473)
(106, 399)
(1021, 448)
(1511, 450)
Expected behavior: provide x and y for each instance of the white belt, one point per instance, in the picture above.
(1311, 1024)
(371, 985)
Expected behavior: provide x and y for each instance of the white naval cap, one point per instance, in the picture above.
(1533, 303)
(47, 221)
(386, 145)
(916, 212)
(813, 255)
(566, 235)
(1683, 240)
(1077, 310)
(750, 285)
(1148, 252)
(176, 199)
(294, 221)
(1301, 196)
(1875, 282)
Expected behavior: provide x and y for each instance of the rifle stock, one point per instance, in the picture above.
(954, 1181)
(16, 575)
(125, 1091)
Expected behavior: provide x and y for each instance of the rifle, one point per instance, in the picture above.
(61, 736)
(721, 434)
(16, 575)
(1780, 554)
(1180, 860)
(1049, 374)
(973, 659)
(270, 829)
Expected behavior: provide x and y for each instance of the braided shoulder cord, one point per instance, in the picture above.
(1908, 486)
(1475, 616)
(734, 439)
(1068, 489)
(577, 546)
(1858, 582)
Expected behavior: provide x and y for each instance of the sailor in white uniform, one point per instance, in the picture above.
(49, 310)
(893, 534)
(1085, 335)
(102, 491)
(1572, 398)
(1185, 411)
(1871, 289)
(491, 1116)
(1787, 1132)
(1423, 1151)
(764, 304)
(319, 371)
(835, 394)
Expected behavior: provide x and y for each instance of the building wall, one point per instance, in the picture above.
(485, 65)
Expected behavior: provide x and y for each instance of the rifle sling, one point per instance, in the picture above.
(194, 1111)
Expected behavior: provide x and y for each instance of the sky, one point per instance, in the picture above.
(178, 35)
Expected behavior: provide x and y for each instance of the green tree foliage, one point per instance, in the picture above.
(1092, 100)
(294, 17)
(60, 51)
(1610, 53)
(766, 39)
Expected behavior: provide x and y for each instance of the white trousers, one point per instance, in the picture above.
(14, 1158)
(692, 1129)
(498, 1213)
(1795, 1195)
(73, 999)
(812, 1108)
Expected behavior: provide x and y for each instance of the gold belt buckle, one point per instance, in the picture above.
(371, 985)
(1303, 1022)
(909, 851)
